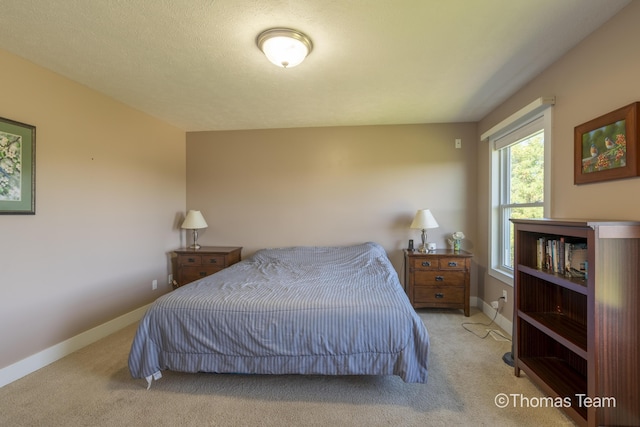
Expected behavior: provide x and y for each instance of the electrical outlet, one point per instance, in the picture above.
(458, 143)
(494, 304)
(504, 295)
(154, 285)
(169, 279)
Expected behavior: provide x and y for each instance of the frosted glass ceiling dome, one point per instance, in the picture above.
(284, 47)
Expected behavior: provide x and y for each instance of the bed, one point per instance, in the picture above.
(298, 310)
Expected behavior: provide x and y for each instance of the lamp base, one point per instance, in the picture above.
(423, 247)
(195, 240)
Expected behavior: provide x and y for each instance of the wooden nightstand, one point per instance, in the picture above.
(194, 264)
(438, 279)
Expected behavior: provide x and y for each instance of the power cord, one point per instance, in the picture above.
(497, 309)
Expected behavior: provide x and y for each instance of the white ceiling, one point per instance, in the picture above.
(195, 64)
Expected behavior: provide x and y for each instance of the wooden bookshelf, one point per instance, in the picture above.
(578, 337)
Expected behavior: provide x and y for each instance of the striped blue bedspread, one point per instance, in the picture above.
(300, 310)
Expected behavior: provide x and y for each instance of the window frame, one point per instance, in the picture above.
(537, 116)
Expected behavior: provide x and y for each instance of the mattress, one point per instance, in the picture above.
(298, 310)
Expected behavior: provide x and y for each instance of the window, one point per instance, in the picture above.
(520, 182)
(521, 190)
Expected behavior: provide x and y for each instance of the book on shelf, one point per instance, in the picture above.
(578, 260)
(561, 257)
(540, 258)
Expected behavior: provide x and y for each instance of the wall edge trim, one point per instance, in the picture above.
(56, 352)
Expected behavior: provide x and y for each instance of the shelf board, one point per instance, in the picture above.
(573, 283)
(559, 377)
(561, 328)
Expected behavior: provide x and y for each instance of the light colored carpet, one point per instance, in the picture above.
(92, 387)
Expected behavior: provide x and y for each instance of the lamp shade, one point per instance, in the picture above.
(284, 47)
(194, 220)
(424, 219)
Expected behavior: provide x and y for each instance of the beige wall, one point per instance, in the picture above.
(110, 186)
(596, 77)
(332, 186)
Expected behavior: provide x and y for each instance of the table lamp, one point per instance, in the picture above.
(194, 221)
(422, 221)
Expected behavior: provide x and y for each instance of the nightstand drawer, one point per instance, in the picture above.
(213, 260)
(189, 260)
(438, 278)
(190, 273)
(424, 264)
(453, 264)
(438, 294)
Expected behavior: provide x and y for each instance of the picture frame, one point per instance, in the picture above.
(17, 168)
(606, 148)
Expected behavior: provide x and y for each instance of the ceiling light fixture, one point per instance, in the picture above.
(284, 47)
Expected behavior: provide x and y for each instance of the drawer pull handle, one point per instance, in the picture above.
(439, 278)
(191, 260)
(203, 274)
(426, 263)
(439, 295)
(453, 264)
(213, 261)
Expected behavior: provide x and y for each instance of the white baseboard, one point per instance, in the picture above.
(39, 360)
(503, 322)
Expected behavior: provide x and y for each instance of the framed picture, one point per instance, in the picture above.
(17, 168)
(606, 148)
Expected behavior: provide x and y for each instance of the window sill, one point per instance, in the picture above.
(506, 278)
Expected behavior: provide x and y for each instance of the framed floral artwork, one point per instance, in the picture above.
(606, 148)
(17, 167)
